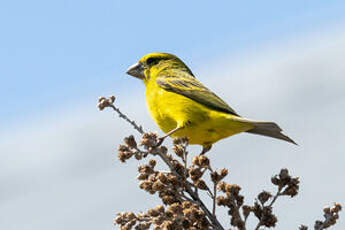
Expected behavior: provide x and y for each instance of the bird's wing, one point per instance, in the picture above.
(190, 87)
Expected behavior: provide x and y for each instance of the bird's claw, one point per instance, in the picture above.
(160, 141)
(205, 150)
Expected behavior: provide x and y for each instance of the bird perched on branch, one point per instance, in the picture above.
(183, 107)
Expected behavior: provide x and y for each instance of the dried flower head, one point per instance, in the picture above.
(246, 209)
(201, 184)
(331, 215)
(124, 153)
(195, 173)
(178, 150)
(130, 142)
(303, 227)
(149, 140)
(181, 141)
(152, 163)
(264, 196)
(104, 102)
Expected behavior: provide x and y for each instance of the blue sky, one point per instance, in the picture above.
(55, 52)
(270, 60)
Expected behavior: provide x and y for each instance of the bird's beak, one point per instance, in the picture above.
(136, 70)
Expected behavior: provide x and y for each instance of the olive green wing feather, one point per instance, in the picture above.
(189, 86)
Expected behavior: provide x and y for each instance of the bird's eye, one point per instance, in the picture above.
(152, 61)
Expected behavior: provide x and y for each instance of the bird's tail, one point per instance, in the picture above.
(269, 129)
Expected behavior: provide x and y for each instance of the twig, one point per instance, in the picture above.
(275, 197)
(185, 158)
(193, 194)
(214, 194)
(139, 128)
(270, 205)
(214, 199)
(331, 216)
(238, 214)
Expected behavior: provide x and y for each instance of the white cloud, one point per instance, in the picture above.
(62, 173)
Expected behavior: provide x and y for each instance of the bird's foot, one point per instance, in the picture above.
(205, 149)
(160, 141)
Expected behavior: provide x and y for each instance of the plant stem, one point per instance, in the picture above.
(214, 199)
(139, 128)
(270, 205)
(188, 188)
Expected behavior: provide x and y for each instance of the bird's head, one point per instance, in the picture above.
(152, 63)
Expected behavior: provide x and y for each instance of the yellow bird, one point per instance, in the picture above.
(183, 107)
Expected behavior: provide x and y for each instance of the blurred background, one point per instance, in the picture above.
(269, 60)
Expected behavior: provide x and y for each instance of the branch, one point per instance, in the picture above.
(193, 194)
(108, 102)
(331, 216)
(261, 221)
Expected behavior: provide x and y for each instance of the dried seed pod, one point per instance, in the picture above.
(221, 186)
(149, 140)
(284, 177)
(142, 176)
(168, 199)
(292, 187)
(179, 168)
(215, 177)
(124, 153)
(200, 184)
(162, 177)
(268, 219)
(160, 208)
(327, 210)
(195, 161)
(284, 173)
(303, 227)
(275, 180)
(100, 99)
(204, 162)
(264, 196)
(172, 179)
(153, 212)
(177, 141)
(186, 204)
(152, 163)
(130, 142)
(158, 186)
(337, 207)
(158, 220)
(195, 173)
(223, 173)
(257, 210)
(186, 224)
(112, 98)
(246, 210)
(138, 156)
(178, 149)
(234, 189)
(176, 208)
(221, 201)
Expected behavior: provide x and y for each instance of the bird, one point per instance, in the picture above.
(184, 107)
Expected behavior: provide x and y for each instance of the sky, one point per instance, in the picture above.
(269, 60)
